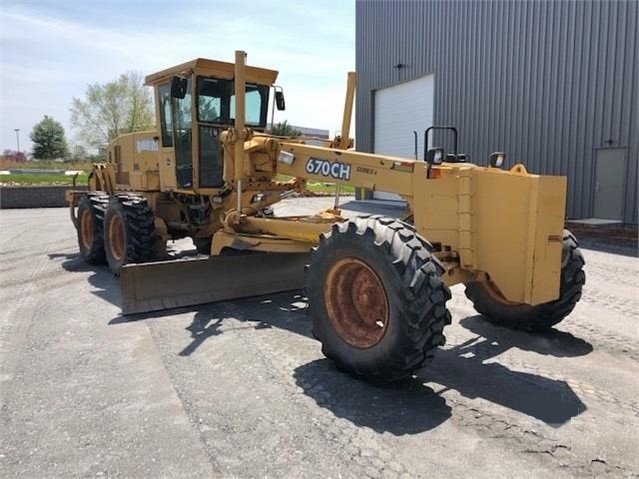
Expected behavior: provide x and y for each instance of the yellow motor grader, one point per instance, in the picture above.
(377, 287)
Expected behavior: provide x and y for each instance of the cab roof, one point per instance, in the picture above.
(212, 68)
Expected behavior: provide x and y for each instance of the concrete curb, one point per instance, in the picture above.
(34, 196)
(614, 231)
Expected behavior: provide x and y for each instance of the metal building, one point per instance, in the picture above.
(552, 83)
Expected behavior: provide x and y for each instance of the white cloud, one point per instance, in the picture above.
(22, 26)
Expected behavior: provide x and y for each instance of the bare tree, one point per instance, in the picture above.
(112, 109)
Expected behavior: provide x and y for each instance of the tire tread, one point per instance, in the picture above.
(139, 222)
(425, 312)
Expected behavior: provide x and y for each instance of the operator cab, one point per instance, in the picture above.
(195, 102)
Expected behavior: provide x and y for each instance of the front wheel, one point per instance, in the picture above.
(376, 298)
(489, 301)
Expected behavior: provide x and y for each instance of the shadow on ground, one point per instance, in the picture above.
(408, 407)
(493, 340)
(470, 368)
(552, 401)
(281, 310)
(412, 406)
(106, 283)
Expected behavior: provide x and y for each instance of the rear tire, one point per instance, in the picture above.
(489, 302)
(376, 298)
(90, 228)
(203, 245)
(129, 232)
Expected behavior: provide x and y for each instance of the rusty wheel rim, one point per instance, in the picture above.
(356, 303)
(86, 229)
(116, 238)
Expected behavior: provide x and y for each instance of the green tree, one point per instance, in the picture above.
(48, 140)
(109, 110)
(284, 129)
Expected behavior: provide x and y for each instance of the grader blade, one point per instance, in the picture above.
(171, 284)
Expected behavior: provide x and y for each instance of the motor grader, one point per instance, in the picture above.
(377, 287)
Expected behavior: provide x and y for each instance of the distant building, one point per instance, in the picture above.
(553, 84)
(312, 132)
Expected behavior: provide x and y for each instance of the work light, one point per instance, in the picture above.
(496, 159)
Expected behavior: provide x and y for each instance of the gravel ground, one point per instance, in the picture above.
(240, 388)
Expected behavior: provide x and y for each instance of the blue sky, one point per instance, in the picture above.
(51, 50)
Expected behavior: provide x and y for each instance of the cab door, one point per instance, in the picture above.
(167, 156)
(183, 137)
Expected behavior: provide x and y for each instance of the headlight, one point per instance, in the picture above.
(286, 158)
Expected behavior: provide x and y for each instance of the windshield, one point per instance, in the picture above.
(216, 102)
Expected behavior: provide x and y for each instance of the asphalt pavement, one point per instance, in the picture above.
(241, 388)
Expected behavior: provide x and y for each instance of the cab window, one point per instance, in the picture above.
(216, 102)
(166, 119)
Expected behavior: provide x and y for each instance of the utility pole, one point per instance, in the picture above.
(17, 130)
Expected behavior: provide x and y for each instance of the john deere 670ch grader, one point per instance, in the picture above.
(377, 287)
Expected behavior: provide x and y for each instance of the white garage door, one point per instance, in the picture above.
(400, 110)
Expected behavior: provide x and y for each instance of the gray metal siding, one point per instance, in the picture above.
(547, 82)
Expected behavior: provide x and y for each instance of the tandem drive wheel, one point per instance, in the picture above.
(90, 227)
(376, 298)
(129, 231)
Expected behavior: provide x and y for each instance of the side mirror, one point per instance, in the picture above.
(435, 156)
(279, 100)
(178, 87)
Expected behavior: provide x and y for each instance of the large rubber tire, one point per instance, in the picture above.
(90, 214)
(203, 245)
(376, 298)
(129, 232)
(491, 304)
